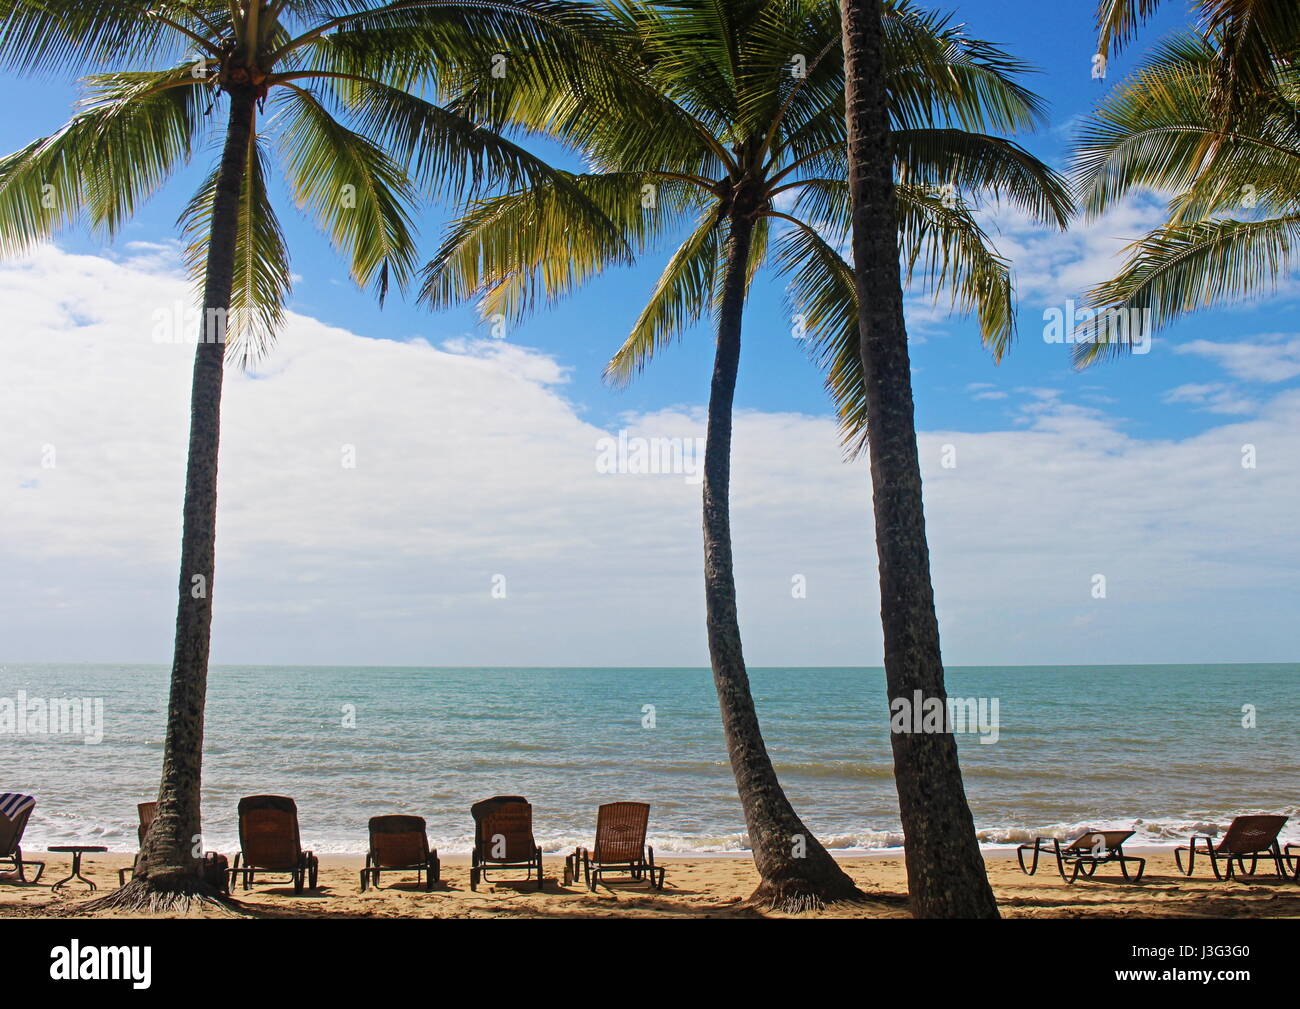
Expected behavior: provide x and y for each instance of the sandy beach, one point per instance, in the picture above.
(711, 887)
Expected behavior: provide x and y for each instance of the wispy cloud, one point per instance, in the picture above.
(1271, 357)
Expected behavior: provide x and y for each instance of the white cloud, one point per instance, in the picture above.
(471, 462)
(1052, 266)
(1214, 397)
(1273, 357)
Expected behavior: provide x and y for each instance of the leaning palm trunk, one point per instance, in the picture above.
(732, 176)
(796, 873)
(946, 877)
(169, 870)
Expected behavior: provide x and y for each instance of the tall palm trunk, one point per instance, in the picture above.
(172, 848)
(946, 877)
(795, 871)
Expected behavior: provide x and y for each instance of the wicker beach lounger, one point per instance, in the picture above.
(269, 842)
(503, 838)
(15, 809)
(1082, 855)
(145, 811)
(398, 843)
(1252, 837)
(620, 847)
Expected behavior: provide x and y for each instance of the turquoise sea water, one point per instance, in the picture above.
(1158, 748)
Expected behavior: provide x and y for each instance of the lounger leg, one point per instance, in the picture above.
(1020, 857)
(1060, 863)
(1124, 860)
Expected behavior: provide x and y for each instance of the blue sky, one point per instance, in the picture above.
(1129, 468)
(583, 331)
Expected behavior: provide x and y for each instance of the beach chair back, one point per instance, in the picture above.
(15, 808)
(398, 841)
(620, 832)
(1087, 841)
(1248, 834)
(268, 832)
(503, 829)
(147, 812)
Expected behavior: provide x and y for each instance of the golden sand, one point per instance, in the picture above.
(697, 887)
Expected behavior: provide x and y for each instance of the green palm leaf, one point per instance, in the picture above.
(1178, 269)
(262, 278)
(681, 297)
(360, 196)
(134, 131)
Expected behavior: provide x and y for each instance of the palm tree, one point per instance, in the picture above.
(1251, 34)
(946, 877)
(1234, 215)
(318, 63)
(726, 122)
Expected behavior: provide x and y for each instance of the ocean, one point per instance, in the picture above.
(1159, 749)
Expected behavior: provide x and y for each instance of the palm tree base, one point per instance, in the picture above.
(799, 895)
(172, 894)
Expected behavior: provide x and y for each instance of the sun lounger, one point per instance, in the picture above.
(15, 808)
(503, 838)
(620, 847)
(1082, 855)
(1252, 837)
(399, 843)
(269, 842)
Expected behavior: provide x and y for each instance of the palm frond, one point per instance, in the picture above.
(1178, 269)
(87, 35)
(681, 298)
(133, 131)
(262, 280)
(513, 251)
(979, 163)
(361, 197)
(824, 302)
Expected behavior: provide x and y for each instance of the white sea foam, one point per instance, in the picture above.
(1148, 833)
